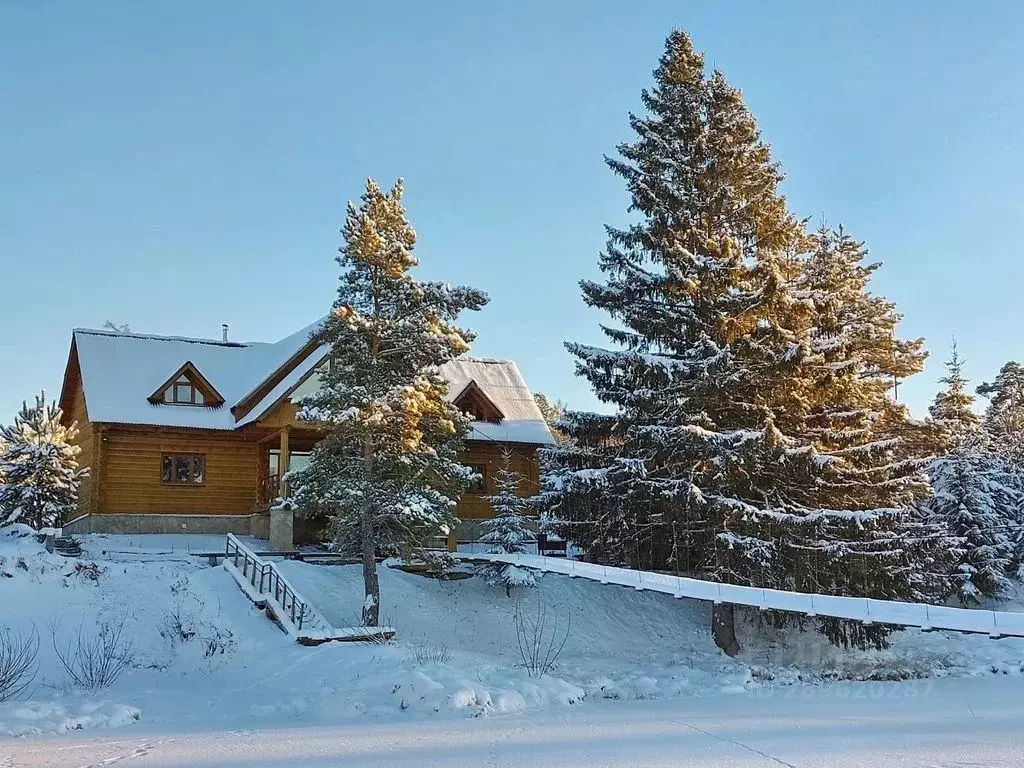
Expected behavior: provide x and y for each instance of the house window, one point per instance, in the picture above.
(479, 485)
(184, 392)
(183, 468)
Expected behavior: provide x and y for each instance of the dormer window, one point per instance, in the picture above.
(187, 387)
(477, 405)
(184, 392)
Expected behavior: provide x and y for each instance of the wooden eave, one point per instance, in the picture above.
(473, 391)
(65, 388)
(242, 408)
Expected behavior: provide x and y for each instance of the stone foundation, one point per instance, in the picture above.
(242, 525)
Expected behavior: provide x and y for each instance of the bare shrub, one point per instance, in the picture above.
(217, 642)
(540, 638)
(179, 625)
(88, 571)
(432, 652)
(95, 659)
(18, 654)
(387, 620)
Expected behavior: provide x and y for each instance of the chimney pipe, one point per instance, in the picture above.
(224, 329)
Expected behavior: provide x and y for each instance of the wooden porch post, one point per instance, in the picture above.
(285, 460)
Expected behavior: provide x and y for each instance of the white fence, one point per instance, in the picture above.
(995, 624)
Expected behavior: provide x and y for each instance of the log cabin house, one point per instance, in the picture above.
(195, 435)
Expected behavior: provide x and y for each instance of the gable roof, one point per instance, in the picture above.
(504, 385)
(121, 370)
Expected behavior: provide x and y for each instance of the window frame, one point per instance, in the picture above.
(194, 460)
(185, 384)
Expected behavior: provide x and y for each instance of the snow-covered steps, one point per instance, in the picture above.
(262, 582)
(995, 624)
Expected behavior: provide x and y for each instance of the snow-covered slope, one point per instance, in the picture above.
(456, 652)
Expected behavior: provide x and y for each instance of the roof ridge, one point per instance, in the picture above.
(471, 359)
(157, 337)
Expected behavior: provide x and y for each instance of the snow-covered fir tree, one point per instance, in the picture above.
(975, 498)
(953, 407)
(1004, 417)
(508, 531)
(386, 474)
(977, 494)
(39, 472)
(753, 439)
(873, 455)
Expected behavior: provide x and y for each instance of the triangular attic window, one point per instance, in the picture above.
(187, 386)
(477, 404)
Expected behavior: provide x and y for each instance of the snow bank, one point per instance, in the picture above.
(204, 657)
(35, 717)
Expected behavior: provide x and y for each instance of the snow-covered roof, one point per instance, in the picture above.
(502, 382)
(121, 370)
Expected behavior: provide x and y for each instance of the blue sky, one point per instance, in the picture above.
(180, 165)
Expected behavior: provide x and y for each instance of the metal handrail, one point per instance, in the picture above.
(266, 579)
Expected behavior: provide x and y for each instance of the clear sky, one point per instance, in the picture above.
(180, 165)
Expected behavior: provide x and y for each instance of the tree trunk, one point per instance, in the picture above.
(723, 628)
(371, 604)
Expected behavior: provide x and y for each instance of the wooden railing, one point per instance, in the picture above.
(267, 587)
(268, 582)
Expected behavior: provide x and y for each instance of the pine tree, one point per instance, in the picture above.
(508, 531)
(753, 440)
(952, 411)
(39, 472)
(387, 473)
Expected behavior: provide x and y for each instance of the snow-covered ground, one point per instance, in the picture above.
(455, 656)
(929, 724)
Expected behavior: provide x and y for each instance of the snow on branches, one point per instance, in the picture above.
(39, 472)
(508, 531)
(387, 474)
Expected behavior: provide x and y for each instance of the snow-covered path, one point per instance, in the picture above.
(938, 724)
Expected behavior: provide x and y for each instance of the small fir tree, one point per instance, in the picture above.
(508, 531)
(39, 472)
(387, 474)
(953, 408)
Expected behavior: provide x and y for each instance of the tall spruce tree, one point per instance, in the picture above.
(39, 472)
(726, 456)
(694, 287)
(387, 473)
